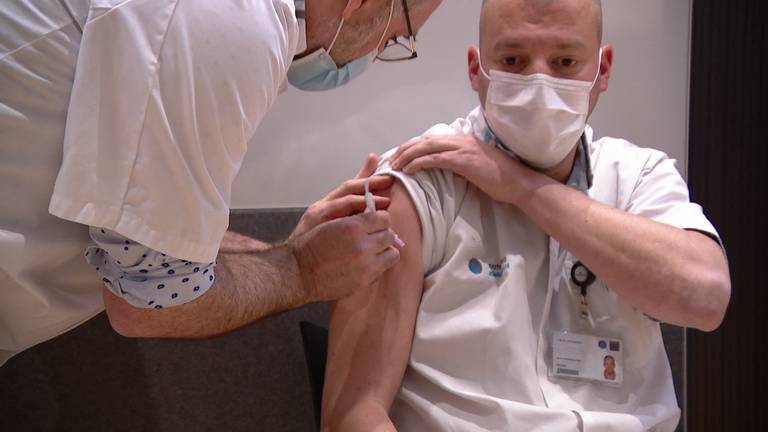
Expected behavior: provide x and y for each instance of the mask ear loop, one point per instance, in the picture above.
(383, 35)
(499, 144)
(480, 61)
(338, 31)
(599, 65)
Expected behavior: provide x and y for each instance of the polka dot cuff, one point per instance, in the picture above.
(144, 277)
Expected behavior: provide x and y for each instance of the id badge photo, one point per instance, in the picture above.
(587, 357)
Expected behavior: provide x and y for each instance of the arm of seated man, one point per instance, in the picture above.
(371, 333)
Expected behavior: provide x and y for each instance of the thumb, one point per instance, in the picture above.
(369, 167)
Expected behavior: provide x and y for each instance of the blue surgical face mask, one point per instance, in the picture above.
(318, 71)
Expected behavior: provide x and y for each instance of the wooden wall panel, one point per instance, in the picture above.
(728, 155)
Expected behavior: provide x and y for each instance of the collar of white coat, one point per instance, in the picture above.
(301, 13)
(581, 174)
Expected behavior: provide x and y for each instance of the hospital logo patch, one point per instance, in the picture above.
(494, 270)
(475, 266)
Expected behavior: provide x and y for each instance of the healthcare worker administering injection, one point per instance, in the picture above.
(123, 124)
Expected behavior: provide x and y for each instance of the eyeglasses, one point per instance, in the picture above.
(400, 48)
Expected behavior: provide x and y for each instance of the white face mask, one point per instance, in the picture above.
(537, 117)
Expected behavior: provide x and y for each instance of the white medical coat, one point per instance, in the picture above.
(139, 111)
(482, 343)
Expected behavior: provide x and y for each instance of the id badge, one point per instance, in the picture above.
(587, 357)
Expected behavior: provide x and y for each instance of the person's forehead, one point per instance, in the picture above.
(561, 22)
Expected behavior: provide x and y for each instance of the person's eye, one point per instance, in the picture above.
(511, 61)
(566, 62)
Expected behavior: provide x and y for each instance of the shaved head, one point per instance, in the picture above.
(539, 5)
(558, 38)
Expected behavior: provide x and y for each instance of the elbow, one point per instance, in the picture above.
(126, 320)
(129, 333)
(152, 324)
(136, 323)
(127, 327)
(132, 322)
(715, 294)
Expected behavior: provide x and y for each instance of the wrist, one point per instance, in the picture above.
(520, 186)
(302, 283)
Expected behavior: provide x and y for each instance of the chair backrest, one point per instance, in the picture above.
(315, 340)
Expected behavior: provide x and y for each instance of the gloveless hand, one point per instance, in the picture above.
(338, 248)
(493, 171)
(347, 199)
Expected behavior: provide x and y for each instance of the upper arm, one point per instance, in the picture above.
(661, 194)
(371, 332)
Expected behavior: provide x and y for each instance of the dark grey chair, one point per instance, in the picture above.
(315, 339)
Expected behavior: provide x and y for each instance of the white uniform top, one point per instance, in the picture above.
(154, 102)
(481, 348)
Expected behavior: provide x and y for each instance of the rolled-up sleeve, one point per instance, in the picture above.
(435, 194)
(662, 195)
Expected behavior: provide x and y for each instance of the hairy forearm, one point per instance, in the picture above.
(673, 275)
(253, 280)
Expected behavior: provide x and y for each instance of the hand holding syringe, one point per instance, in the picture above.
(370, 205)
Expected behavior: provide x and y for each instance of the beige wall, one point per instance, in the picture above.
(311, 142)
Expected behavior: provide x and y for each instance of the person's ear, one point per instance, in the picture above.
(352, 6)
(606, 63)
(473, 67)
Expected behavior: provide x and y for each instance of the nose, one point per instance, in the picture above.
(538, 66)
